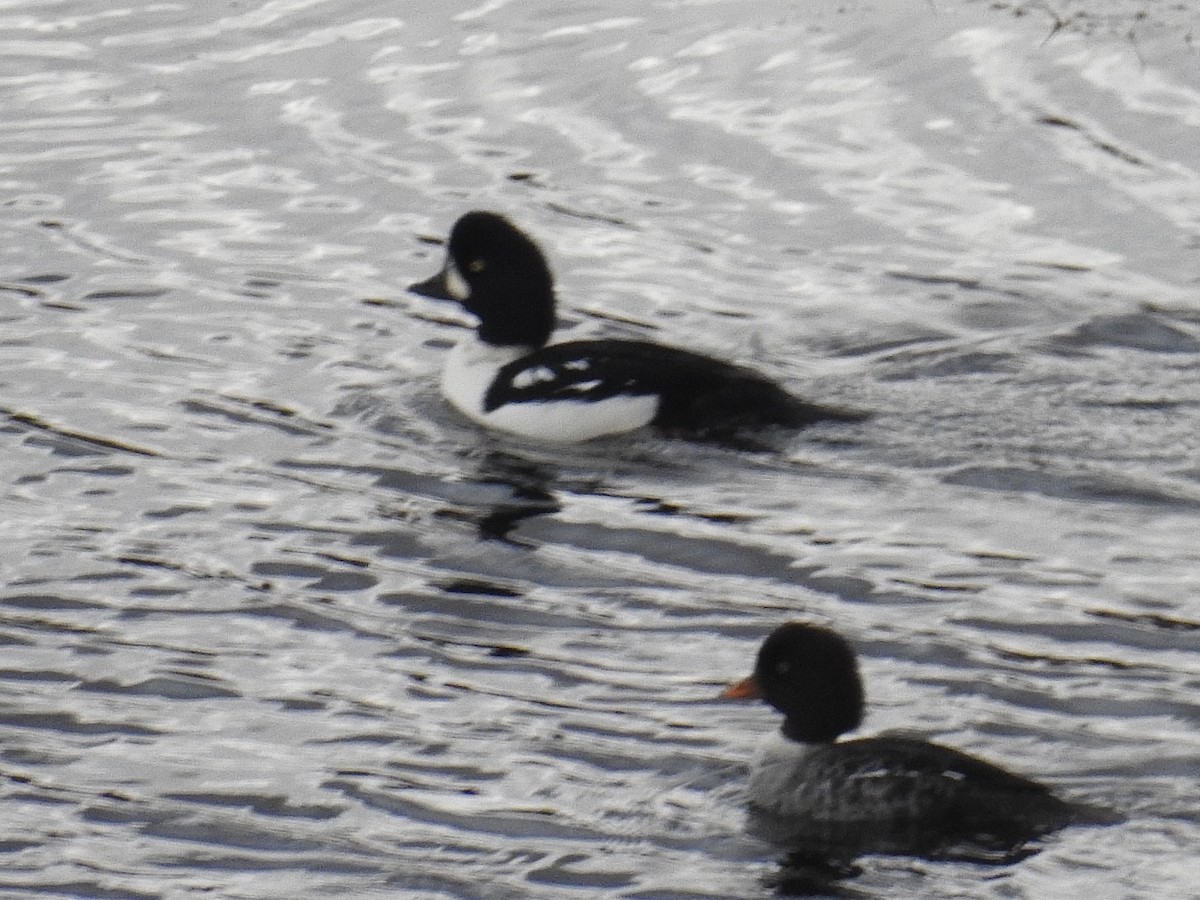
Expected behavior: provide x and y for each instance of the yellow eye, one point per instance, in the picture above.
(476, 266)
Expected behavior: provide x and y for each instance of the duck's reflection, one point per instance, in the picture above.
(821, 862)
(530, 495)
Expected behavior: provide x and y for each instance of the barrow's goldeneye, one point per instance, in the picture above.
(877, 794)
(509, 378)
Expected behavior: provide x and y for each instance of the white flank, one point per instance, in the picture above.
(470, 370)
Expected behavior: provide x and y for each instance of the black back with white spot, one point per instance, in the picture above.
(697, 394)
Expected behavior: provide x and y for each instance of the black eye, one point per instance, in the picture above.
(476, 266)
(783, 667)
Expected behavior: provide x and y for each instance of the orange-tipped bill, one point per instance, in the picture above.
(746, 689)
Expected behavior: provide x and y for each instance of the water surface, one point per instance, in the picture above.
(278, 623)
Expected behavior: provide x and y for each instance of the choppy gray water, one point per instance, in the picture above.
(276, 623)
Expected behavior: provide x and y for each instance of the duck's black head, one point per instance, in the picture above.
(809, 674)
(497, 273)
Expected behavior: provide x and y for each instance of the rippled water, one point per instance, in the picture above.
(278, 623)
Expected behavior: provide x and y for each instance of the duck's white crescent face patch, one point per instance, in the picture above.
(456, 285)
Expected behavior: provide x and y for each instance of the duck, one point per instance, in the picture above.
(509, 376)
(893, 793)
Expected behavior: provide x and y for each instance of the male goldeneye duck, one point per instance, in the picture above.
(880, 794)
(509, 378)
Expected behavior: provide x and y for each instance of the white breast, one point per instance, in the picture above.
(470, 370)
(778, 781)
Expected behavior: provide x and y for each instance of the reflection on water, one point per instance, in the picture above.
(277, 622)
